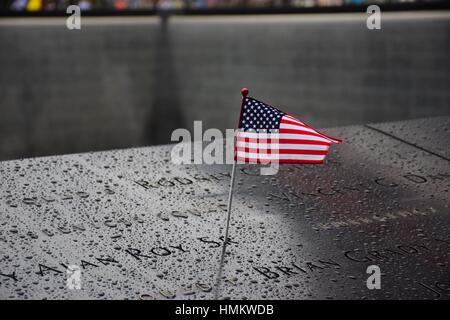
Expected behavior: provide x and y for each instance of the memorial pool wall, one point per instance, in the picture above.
(129, 81)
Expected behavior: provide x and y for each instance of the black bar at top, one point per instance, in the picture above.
(438, 5)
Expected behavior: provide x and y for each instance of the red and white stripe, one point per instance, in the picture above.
(296, 142)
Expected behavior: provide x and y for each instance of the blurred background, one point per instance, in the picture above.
(138, 69)
(119, 5)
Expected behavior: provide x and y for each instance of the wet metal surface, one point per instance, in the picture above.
(435, 141)
(142, 228)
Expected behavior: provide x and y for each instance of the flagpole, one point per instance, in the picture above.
(244, 92)
(230, 199)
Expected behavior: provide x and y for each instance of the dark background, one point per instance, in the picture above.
(127, 79)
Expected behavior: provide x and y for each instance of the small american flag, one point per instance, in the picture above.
(267, 134)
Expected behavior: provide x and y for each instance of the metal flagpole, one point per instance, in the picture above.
(244, 92)
(230, 199)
